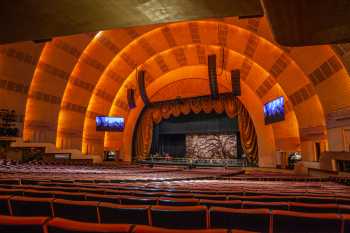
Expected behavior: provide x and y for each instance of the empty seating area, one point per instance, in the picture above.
(190, 201)
(106, 174)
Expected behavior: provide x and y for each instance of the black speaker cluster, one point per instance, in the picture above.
(213, 83)
(7, 123)
(142, 88)
(131, 98)
(236, 82)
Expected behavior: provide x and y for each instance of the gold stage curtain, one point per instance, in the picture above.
(227, 103)
(249, 140)
(144, 135)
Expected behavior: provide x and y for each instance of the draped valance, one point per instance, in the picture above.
(225, 103)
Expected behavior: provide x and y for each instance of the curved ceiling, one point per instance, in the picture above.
(79, 77)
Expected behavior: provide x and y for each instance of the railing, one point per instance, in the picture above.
(197, 161)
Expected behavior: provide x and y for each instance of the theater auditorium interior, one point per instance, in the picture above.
(141, 116)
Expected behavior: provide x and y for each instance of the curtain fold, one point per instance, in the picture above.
(228, 104)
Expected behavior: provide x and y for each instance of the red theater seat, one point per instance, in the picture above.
(103, 198)
(69, 196)
(150, 229)
(344, 209)
(5, 191)
(11, 224)
(346, 220)
(59, 225)
(316, 200)
(245, 219)
(38, 193)
(228, 204)
(179, 217)
(178, 201)
(31, 206)
(76, 210)
(4, 205)
(313, 208)
(292, 222)
(133, 214)
(210, 197)
(266, 205)
(129, 200)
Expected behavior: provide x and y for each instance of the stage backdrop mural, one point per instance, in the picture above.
(211, 146)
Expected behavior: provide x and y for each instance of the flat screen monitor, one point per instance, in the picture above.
(106, 123)
(274, 110)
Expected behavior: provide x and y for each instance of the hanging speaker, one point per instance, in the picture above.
(142, 88)
(131, 98)
(236, 82)
(213, 84)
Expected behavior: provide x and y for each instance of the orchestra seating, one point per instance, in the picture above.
(191, 202)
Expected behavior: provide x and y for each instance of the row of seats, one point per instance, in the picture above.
(121, 196)
(341, 179)
(239, 191)
(130, 200)
(256, 220)
(9, 224)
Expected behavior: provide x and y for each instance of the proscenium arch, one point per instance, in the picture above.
(233, 60)
(295, 76)
(301, 54)
(205, 22)
(250, 101)
(284, 128)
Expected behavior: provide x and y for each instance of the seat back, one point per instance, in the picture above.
(38, 193)
(133, 214)
(269, 198)
(291, 222)
(245, 219)
(4, 205)
(313, 208)
(178, 201)
(59, 225)
(69, 196)
(115, 199)
(344, 209)
(346, 220)
(12, 224)
(76, 210)
(266, 205)
(179, 217)
(177, 195)
(210, 197)
(151, 229)
(316, 200)
(129, 200)
(6, 191)
(31, 206)
(343, 201)
(228, 204)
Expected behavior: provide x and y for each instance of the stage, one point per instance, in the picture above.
(185, 161)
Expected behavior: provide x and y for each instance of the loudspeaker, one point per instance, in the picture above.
(213, 83)
(141, 85)
(236, 82)
(131, 98)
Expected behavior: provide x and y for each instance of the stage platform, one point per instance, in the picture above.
(184, 161)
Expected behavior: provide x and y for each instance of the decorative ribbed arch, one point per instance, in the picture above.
(233, 60)
(260, 31)
(49, 80)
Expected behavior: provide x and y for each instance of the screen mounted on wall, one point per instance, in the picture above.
(274, 110)
(105, 123)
